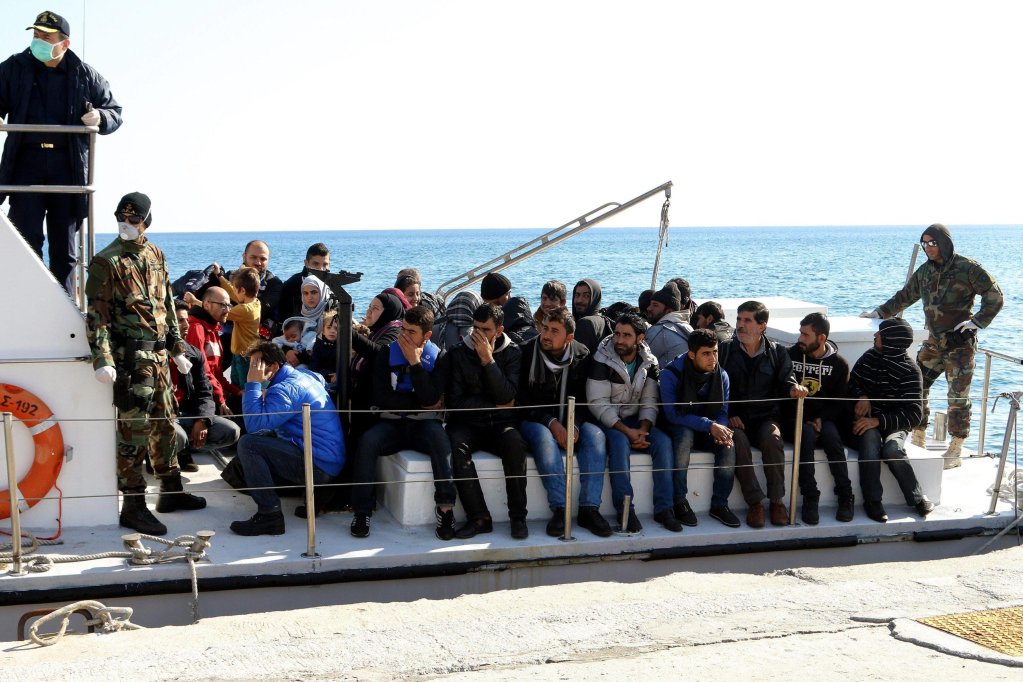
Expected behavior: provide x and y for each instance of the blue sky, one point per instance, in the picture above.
(262, 115)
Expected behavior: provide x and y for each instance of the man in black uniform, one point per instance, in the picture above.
(48, 84)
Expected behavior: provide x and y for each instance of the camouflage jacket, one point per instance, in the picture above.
(129, 297)
(948, 292)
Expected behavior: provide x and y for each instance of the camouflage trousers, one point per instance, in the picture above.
(957, 364)
(147, 426)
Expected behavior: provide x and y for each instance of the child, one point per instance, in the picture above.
(243, 289)
(324, 354)
(297, 339)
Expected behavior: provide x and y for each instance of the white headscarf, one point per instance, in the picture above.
(314, 313)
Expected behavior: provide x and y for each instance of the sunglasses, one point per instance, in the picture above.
(132, 219)
(929, 242)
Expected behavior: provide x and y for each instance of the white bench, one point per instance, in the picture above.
(407, 480)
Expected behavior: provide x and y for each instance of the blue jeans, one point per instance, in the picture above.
(388, 437)
(892, 450)
(683, 439)
(266, 460)
(549, 458)
(619, 450)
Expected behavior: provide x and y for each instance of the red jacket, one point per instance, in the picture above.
(204, 334)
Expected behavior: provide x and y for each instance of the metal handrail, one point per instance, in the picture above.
(544, 242)
(989, 355)
(84, 256)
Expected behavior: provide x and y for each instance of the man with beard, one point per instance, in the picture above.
(825, 374)
(948, 284)
(483, 376)
(591, 326)
(257, 255)
(760, 372)
(669, 333)
(710, 315)
(554, 367)
(889, 388)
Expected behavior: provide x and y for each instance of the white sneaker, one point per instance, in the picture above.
(953, 456)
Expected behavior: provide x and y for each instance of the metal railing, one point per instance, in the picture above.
(86, 235)
(989, 355)
(555, 236)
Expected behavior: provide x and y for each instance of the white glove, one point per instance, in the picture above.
(182, 363)
(964, 326)
(872, 314)
(91, 117)
(106, 375)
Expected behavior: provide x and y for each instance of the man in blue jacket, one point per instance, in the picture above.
(694, 390)
(48, 84)
(272, 449)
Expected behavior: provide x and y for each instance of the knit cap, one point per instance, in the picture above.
(494, 285)
(669, 297)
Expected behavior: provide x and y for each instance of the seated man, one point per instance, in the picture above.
(622, 393)
(695, 391)
(410, 282)
(204, 332)
(553, 294)
(591, 327)
(554, 367)
(408, 386)
(483, 376)
(670, 328)
(890, 391)
(272, 450)
(710, 315)
(825, 374)
(196, 427)
(760, 375)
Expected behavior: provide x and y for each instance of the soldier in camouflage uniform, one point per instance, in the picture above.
(948, 284)
(131, 324)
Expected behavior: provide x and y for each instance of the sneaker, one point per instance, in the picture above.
(725, 516)
(684, 513)
(875, 511)
(590, 519)
(445, 524)
(633, 525)
(779, 514)
(667, 519)
(360, 525)
(845, 508)
(811, 512)
(924, 507)
(472, 528)
(519, 529)
(261, 523)
(556, 526)
(755, 516)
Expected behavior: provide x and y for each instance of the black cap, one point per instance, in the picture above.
(494, 285)
(135, 203)
(51, 22)
(669, 297)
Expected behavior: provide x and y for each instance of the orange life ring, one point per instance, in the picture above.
(49, 441)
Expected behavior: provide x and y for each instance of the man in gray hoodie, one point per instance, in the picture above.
(668, 338)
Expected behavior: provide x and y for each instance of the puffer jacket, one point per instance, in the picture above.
(668, 338)
(85, 84)
(613, 395)
(280, 410)
(471, 385)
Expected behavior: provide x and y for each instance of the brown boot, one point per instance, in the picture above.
(779, 513)
(954, 454)
(755, 516)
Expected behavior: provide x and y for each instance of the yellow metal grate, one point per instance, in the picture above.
(998, 629)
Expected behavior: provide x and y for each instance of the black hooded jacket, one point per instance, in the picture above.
(471, 385)
(518, 320)
(591, 327)
(825, 377)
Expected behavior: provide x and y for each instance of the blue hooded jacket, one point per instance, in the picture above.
(281, 411)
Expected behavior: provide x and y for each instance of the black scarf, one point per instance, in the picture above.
(693, 381)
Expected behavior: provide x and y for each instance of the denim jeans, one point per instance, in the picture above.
(504, 441)
(892, 450)
(831, 442)
(766, 435)
(222, 433)
(266, 460)
(683, 438)
(388, 437)
(590, 454)
(619, 450)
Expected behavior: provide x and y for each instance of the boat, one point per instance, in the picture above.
(204, 570)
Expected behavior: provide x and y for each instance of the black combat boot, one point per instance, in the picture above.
(136, 515)
(172, 497)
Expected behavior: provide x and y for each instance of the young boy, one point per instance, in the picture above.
(243, 288)
(324, 353)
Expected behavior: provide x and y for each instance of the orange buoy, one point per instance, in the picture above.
(49, 441)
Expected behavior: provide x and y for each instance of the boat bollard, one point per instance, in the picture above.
(797, 444)
(202, 540)
(310, 497)
(12, 492)
(569, 467)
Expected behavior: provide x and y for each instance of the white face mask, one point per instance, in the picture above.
(127, 232)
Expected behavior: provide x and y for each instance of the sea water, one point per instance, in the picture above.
(848, 269)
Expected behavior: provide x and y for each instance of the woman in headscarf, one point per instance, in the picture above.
(378, 330)
(457, 320)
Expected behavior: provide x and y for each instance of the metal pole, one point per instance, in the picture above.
(1010, 426)
(797, 443)
(569, 465)
(12, 492)
(983, 402)
(912, 266)
(310, 497)
(626, 505)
